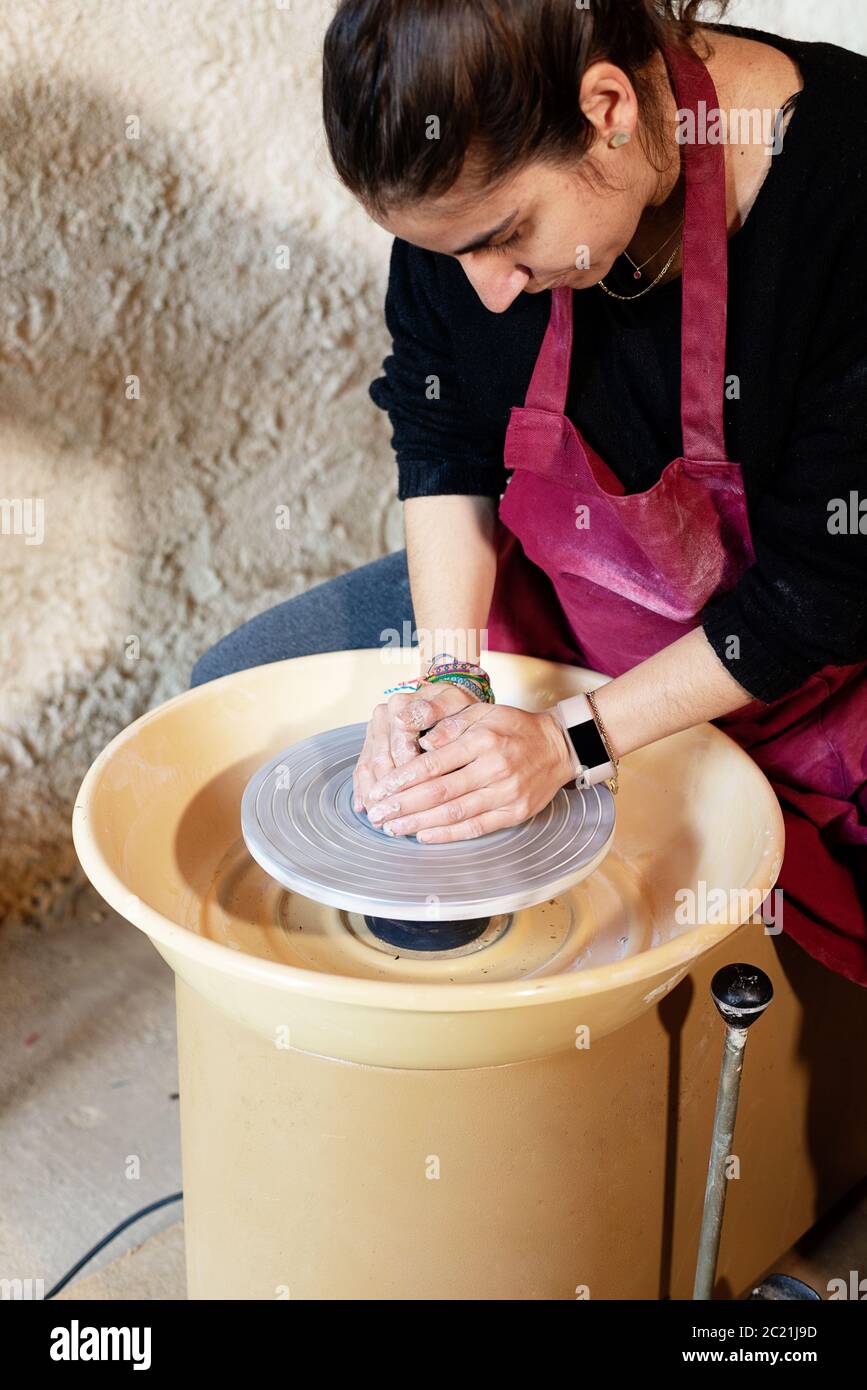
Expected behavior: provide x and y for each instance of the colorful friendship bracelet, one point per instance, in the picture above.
(466, 674)
(471, 672)
(475, 684)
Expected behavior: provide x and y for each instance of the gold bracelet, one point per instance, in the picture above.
(612, 783)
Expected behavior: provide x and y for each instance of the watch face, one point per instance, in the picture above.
(587, 742)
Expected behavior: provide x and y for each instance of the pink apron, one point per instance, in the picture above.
(590, 575)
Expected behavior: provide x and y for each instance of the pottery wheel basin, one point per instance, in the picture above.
(157, 828)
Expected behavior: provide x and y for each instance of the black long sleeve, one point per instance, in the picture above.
(803, 604)
(439, 446)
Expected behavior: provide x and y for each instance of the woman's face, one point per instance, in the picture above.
(549, 225)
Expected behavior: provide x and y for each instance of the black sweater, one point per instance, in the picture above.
(796, 343)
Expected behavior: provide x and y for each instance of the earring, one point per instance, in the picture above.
(621, 137)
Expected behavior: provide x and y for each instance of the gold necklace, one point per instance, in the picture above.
(627, 297)
(637, 269)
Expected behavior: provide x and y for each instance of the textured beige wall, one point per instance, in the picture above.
(155, 257)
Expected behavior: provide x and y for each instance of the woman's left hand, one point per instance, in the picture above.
(483, 769)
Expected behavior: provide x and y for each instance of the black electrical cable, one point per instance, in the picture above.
(106, 1240)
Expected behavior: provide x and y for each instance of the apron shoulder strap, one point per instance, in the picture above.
(704, 264)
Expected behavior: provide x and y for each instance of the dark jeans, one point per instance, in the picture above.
(354, 610)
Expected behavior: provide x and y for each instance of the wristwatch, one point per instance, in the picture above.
(591, 760)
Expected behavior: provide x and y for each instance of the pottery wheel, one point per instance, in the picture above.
(299, 824)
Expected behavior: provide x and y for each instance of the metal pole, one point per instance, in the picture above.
(741, 993)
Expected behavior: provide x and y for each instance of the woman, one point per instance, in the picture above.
(627, 394)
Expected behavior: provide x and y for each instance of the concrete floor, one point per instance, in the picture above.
(154, 1270)
(88, 1088)
(89, 1114)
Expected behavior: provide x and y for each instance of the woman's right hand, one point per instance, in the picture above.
(394, 728)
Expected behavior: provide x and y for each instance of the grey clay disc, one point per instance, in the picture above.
(299, 824)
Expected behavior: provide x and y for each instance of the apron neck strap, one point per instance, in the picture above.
(704, 281)
(704, 264)
(549, 383)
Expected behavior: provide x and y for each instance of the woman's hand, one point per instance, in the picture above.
(483, 769)
(391, 739)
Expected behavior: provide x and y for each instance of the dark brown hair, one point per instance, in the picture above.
(501, 76)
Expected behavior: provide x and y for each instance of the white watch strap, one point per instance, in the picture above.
(575, 709)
